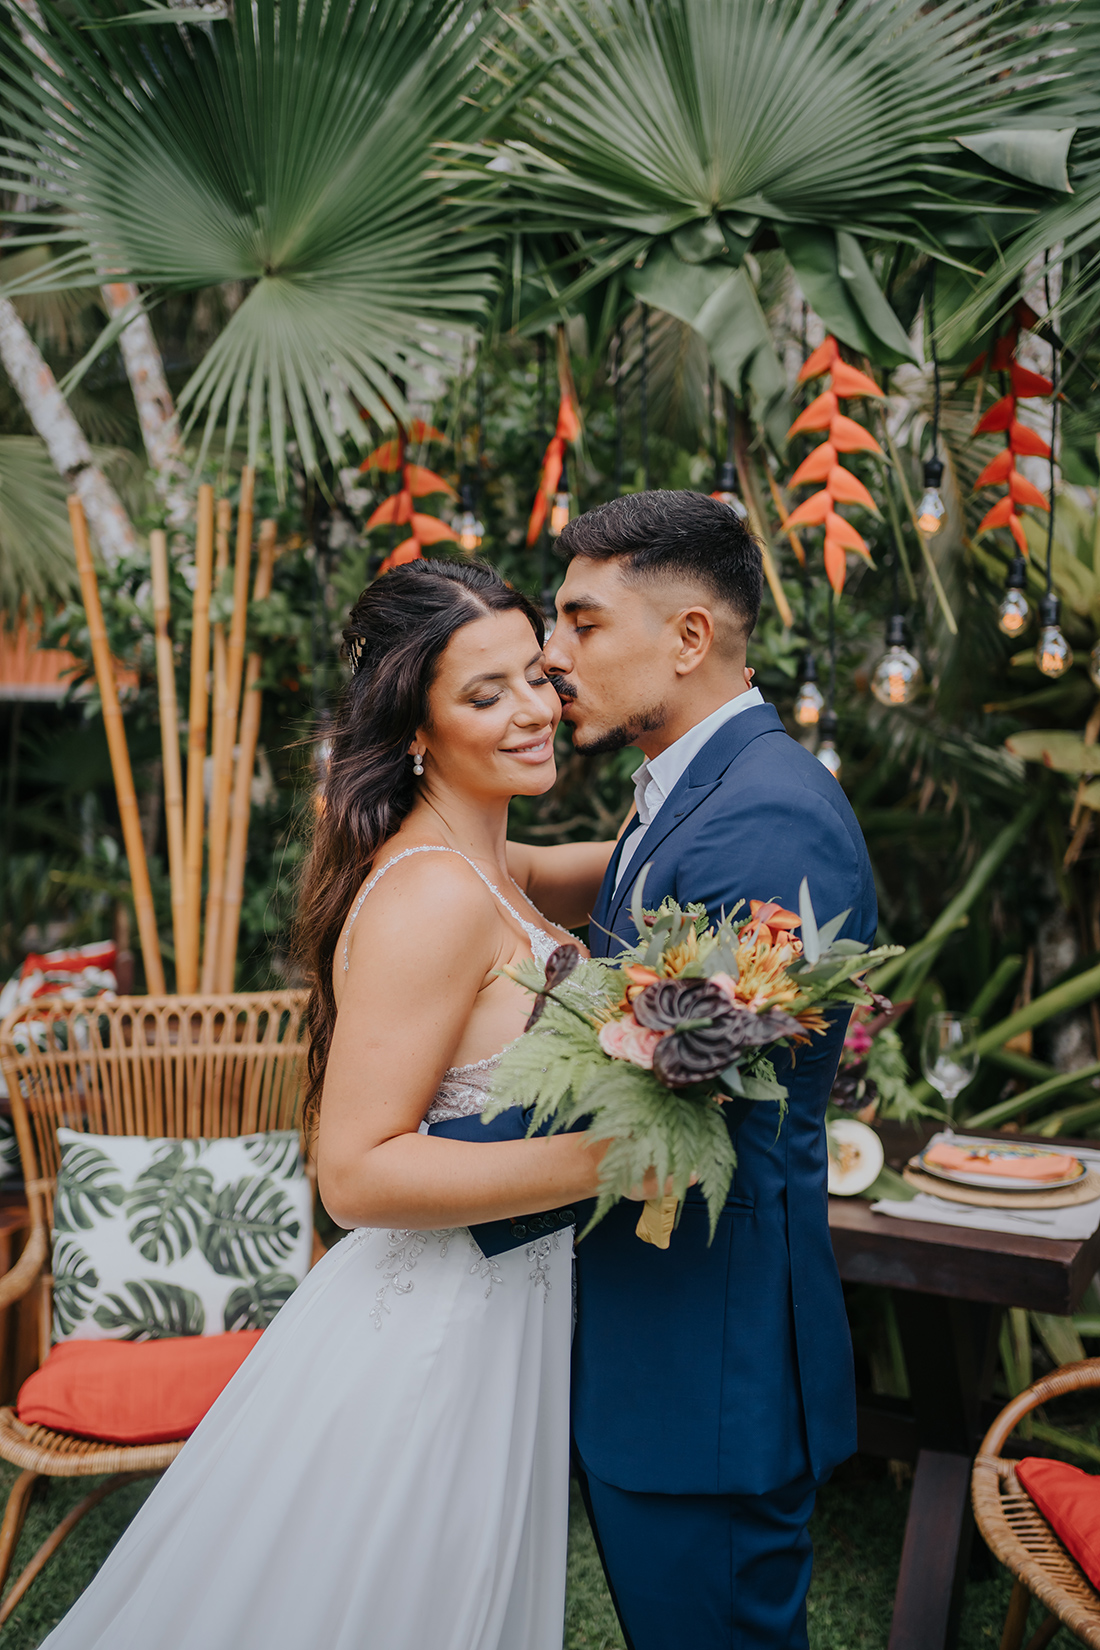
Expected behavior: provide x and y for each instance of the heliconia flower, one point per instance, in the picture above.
(1026, 442)
(819, 360)
(998, 516)
(997, 470)
(999, 416)
(816, 467)
(420, 482)
(407, 550)
(393, 511)
(626, 1040)
(1022, 491)
(430, 530)
(818, 415)
(568, 428)
(812, 511)
(849, 437)
(836, 564)
(388, 457)
(842, 532)
(1025, 383)
(848, 489)
(1015, 527)
(770, 915)
(849, 381)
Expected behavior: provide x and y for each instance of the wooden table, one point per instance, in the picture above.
(950, 1286)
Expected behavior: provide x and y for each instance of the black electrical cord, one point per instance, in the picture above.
(1053, 437)
(617, 381)
(643, 410)
(930, 316)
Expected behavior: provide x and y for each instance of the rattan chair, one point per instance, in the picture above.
(182, 1067)
(1017, 1533)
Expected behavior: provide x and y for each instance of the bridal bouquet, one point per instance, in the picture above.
(648, 1046)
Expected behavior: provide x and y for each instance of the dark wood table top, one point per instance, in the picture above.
(998, 1268)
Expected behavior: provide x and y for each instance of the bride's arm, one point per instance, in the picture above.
(420, 952)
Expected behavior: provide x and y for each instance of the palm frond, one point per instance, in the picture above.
(289, 148)
(36, 557)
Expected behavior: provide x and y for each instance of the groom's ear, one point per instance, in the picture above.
(698, 633)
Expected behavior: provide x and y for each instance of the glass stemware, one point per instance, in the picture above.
(948, 1058)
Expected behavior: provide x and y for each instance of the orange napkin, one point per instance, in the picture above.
(976, 1160)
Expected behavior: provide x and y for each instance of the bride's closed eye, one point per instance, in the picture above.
(536, 682)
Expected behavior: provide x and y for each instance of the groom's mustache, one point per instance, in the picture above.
(564, 690)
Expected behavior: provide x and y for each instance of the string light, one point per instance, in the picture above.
(1053, 654)
(810, 701)
(725, 487)
(898, 676)
(827, 753)
(930, 510)
(1014, 613)
(469, 529)
(559, 510)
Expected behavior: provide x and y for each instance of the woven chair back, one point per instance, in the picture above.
(185, 1068)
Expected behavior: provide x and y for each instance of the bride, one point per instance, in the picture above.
(388, 1470)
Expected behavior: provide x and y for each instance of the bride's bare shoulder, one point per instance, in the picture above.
(413, 890)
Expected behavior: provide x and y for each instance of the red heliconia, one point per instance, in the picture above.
(823, 465)
(1020, 439)
(568, 428)
(417, 482)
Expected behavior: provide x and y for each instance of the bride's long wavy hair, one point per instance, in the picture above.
(395, 638)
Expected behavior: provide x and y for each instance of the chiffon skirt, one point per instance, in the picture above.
(388, 1469)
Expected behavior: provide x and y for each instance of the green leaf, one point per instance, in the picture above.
(811, 944)
(1055, 748)
(252, 1225)
(157, 1312)
(36, 553)
(171, 1200)
(279, 1152)
(761, 1088)
(836, 278)
(88, 1185)
(1036, 155)
(75, 1281)
(253, 1305)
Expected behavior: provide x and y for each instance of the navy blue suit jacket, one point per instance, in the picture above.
(728, 1369)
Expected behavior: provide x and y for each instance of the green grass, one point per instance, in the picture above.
(857, 1532)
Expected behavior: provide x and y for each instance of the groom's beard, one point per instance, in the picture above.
(616, 738)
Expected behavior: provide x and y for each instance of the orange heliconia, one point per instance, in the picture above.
(823, 464)
(417, 482)
(568, 428)
(1020, 440)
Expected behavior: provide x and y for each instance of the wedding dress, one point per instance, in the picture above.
(388, 1469)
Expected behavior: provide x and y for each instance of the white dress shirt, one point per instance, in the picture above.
(657, 777)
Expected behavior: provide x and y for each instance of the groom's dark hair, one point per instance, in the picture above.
(678, 535)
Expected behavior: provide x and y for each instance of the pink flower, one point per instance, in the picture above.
(726, 983)
(857, 1040)
(626, 1040)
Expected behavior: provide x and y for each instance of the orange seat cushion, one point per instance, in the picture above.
(133, 1392)
(1069, 1500)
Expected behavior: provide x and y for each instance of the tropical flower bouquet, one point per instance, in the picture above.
(648, 1046)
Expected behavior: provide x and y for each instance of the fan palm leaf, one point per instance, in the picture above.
(36, 557)
(287, 147)
(670, 138)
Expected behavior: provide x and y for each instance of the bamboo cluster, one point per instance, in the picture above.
(224, 706)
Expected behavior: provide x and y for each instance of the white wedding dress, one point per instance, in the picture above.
(388, 1470)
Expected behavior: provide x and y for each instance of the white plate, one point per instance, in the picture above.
(862, 1157)
(996, 1182)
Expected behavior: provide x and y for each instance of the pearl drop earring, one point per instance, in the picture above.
(418, 764)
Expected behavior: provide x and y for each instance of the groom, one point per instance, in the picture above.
(713, 1386)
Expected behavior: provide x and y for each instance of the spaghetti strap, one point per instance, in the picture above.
(537, 936)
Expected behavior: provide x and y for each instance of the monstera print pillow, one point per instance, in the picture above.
(154, 1238)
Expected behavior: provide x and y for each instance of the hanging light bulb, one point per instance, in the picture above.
(559, 509)
(1013, 613)
(810, 701)
(930, 510)
(897, 677)
(1094, 666)
(470, 531)
(725, 488)
(1053, 654)
(827, 753)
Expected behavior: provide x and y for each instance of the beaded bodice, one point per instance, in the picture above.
(464, 1090)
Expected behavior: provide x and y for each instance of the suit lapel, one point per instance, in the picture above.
(704, 774)
(607, 886)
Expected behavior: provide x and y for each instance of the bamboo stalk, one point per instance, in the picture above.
(758, 527)
(222, 752)
(188, 976)
(169, 734)
(251, 706)
(782, 512)
(120, 754)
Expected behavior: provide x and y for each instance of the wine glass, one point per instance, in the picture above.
(948, 1057)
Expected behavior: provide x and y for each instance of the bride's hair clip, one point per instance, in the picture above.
(355, 648)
